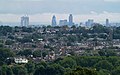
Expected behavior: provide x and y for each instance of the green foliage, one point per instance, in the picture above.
(54, 69)
(25, 40)
(19, 70)
(113, 60)
(82, 71)
(30, 67)
(107, 52)
(97, 28)
(95, 65)
(1, 45)
(116, 71)
(87, 61)
(103, 72)
(40, 70)
(68, 62)
(4, 54)
(6, 70)
(102, 53)
(26, 52)
(117, 63)
(9, 42)
(104, 64)
(37, 53)
(58, 70)
(25, 29)
(72, 38)
(4, 30)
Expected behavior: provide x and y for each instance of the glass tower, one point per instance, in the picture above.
(25, 21)
(54, 23)
(70, 20)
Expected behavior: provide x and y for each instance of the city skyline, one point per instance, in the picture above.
(42, 10)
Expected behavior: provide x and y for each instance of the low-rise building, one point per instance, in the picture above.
(20, 60)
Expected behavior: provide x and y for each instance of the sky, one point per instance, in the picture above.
(43, 10)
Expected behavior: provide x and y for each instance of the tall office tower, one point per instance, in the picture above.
(89, 23)
(54, 23)
(63, 22)
(25, 21)
(107, 22)
(71, 20)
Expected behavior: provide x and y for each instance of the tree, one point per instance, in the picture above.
(74, 27)
(54, 69)
(104, 64)
(0, 72)
(116, 71)
(19, 70)
(43, 63)
(102, 53)
(30, 67)
(37, 53)
(117, 63)
(25, 29)
(98, 28)
(5, 53)
(103, 72)
(40, 70)
(72, 38)
(58, 70)
(68, 62)
(6, 70)
(5, 29)
(25, 40)
(107, 53)
(9, 42)
(1, 45)
(86, 61)
(110, 53)
(26, 52)
(82, 71)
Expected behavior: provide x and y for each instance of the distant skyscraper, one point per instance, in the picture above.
(24, 21)
(54, 23)
(89, 22)
(71, 20)
(63, 22)
(107, 22)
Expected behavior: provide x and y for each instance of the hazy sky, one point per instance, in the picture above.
(42, 10)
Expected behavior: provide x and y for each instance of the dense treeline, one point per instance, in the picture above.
(81, 32)
(69, 65)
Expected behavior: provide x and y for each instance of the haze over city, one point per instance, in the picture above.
(42, 10)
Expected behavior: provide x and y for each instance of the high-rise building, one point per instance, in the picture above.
(107, 22)
(54, 23)
(71, 20)
(89, 23)
(63, 22)
(25, 21)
